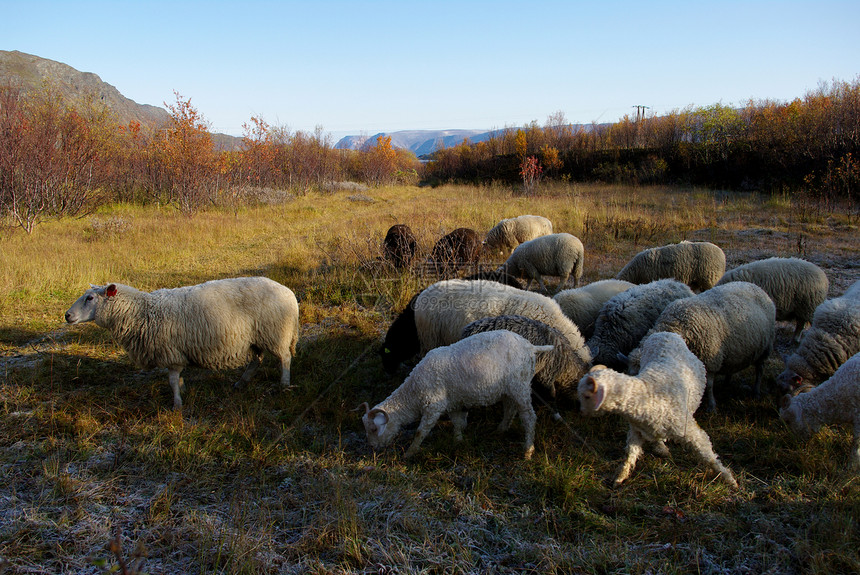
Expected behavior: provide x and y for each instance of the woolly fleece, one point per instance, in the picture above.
(625, 318)
(582, 305)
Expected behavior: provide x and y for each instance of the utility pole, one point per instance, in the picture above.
(640, 112)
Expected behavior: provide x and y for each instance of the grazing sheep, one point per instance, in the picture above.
(399, 246)
(700, 265)
(833, 337)
(557, 372)
(462, 246)
(837, 400)
(728, 327)
(796, 286)
(480, 370)
(437, 316)
(219, 324)
(511, 232)
(625, 319)
(559, 255)
(582, 305)
(658, 403)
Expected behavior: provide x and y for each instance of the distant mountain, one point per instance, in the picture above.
(418, 141)
(423, 142)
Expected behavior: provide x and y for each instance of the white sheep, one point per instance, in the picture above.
(511, 232)
(796, 286)
(833, 337)
(443, 309)
(837, 400)
(728, 327)
(698, 264)
(658, 403)
(480, 370)
(626, 317)
(219, 324)
(582, 305)
(560, 255)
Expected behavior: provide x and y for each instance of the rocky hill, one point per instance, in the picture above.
(32, 73)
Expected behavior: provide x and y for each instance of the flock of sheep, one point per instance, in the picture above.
(644, 345)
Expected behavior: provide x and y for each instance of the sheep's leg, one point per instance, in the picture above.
(660, 449)
(710, 402)
(798, 331)
(540, 283)
(250, 371)
(428, 421)
(759, 374)
(286, 360)
(510, 409)
(635, 442)
(458, 420)
(176, 384)
(528, 419)
(529, 283)
(698, 441)
(562, 282)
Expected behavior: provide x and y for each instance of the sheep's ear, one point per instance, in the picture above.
(599, 394)
(363, 406)
(110, 290)
(785, 401)
(622, 358)
(591, 383)
(379, 419)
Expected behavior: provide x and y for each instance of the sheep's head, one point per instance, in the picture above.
(591, 391)
(790, 412)
(86, 306)
(379, 433)
(797, 373)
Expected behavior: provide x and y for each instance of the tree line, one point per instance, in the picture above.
(809, 144)
(60, 158)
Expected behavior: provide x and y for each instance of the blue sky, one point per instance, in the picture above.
(368, 66)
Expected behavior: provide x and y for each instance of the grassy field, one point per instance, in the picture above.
(95, 468)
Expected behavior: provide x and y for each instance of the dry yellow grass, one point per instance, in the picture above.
(262, 481)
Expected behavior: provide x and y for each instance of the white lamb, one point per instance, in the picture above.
(582, 305)
(796, 286)
(443, 309)
(560, 255)
(837, 400)
(219, 324)
(700, 265)
(480, 370)
(658, 403)
(511, 232)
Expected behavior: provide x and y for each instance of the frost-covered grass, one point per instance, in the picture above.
(268, 481)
